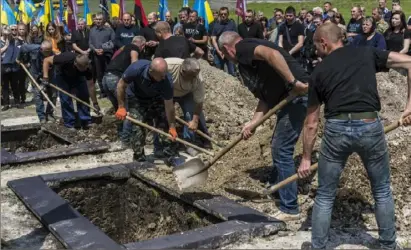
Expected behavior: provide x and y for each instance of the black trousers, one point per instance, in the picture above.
(99, 67)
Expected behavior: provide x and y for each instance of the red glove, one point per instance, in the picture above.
(121, 113)
(173, 133)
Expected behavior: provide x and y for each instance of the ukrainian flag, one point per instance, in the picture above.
(87, 14)
(162, 9)
(27, 9)
(7, 15)
(185, 3)
(204, 10)
(115, 8)
(48, 12)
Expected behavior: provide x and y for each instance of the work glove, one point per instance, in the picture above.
(121, 114)
(173, 133)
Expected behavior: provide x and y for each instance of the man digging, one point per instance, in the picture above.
(270, 73)
(346, 83)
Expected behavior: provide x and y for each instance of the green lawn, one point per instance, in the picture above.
(344, 6)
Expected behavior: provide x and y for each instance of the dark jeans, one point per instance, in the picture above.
(219, 63)
(78, 85)
(6, 83)
(290, 121)
(42, 112)
(19, 86)
(340, 140)
(100, 64)
(187, 105)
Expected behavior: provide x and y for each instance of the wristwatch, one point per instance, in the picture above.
(291, 85)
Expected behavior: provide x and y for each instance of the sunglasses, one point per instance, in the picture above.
(223, 14)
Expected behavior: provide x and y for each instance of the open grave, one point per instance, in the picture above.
(115, 207)
(32, 142)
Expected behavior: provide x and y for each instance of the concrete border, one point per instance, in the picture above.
(75, 231)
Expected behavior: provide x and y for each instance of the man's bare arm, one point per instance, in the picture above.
(202, 41)
(77, 49)
(134, 56)
(48, 61)
(276, 61)
(298, 46)
(121, 93)
(280, 41)
(310, 131)
(198, 52)
(170, 113)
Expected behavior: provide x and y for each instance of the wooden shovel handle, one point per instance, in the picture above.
(167, 135)
(313, 167)
(199, 132)
(37, 85)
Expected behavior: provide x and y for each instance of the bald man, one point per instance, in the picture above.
(125, 32)
(72, 71)
(34, 55)
(150, 36)
(149, 91)
(346, 84)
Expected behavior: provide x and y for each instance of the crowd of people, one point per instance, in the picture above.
(144, 71)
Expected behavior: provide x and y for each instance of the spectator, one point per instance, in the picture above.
(36, 36)
(386, 14)
(195, 32)
(125, 32)
(272, 32)
(274, 37)
(150, 36)
(355, 24)
(116, 22)
(409, 23)
(398, 36)
(8, 66)
(69, 44)
(302, 15)
(340, 20)
(183, 16)
(259, 15)
(309, 21)
(224, 24)
(363, 14)
(19, 75)
(211, 25)
(174, 46)
(249, 28)
(101, 44)
(14, 31)
(308, 53)
(382, 25)
(80, 38)
(263, 23)
(369, 37)
(133, 20)
(327, 7)
(318, 11)
(169, 20)
(291, 35)
(93, 17)
(54, 36)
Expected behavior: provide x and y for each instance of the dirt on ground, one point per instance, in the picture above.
(34, 142)
(130, 211)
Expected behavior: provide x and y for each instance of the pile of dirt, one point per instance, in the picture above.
(39, 141)
(130, 211)
(249, 165)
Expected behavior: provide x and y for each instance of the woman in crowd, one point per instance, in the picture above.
(340, 19)
(263, 22)
(369, 36)
(19, 92)
(36, 36)
(398, 36)
(309, 21)
(54, 36)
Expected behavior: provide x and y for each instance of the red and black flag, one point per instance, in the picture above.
(139, 13)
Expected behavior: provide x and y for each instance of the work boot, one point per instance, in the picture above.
(51, 119)
(88, 126)
(286, 217)
(6, 107)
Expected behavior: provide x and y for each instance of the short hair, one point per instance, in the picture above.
(46, 43)
(396, 2)
(153, 14)
(139, 40)
(290, 9)
(162, 27)
(99, 14)
(227, 37)
(318, 17)
(81, 20)
(331, 31)
(379, 11)
(194, 11)
(328, 3)
(224, 8)
(250, 11)
(279, 10)
(190, 65)
(318, 8)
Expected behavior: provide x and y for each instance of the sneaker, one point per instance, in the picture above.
(191, 151)
(286, 217)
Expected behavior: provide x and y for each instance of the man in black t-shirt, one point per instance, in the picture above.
(174, 46)
(291, 34)
(72, 70)
(345, 82)
(270, 73)
(196, 32)
(249, 28)
(354, 27)
(150, 36)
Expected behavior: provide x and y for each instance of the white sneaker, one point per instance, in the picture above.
(286, 217)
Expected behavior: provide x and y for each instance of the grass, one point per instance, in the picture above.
(343, 6)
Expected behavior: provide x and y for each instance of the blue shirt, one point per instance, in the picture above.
(377, 41)
(143, 87)
(221, 27)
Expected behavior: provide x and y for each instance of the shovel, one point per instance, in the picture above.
(194, 171)
(254, 195)
(37, 85)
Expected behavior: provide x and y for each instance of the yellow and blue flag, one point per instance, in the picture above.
(185, 3)
(87, 14)
(48, 12)
(162, 9)
(27, 9)
(115, 8)
(204, 10)
(7, 15)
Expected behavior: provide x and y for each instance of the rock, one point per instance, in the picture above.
(152, 225)
(103, 137)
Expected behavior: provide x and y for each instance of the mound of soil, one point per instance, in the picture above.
(130, 211)
(39, 141)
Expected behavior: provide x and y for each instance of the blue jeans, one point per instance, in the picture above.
(290, 121)
(187, 104)
(340, 140)
(219, 63)
(78, 85)
(42, 112)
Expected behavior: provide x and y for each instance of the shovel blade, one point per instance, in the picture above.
(190, 173)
